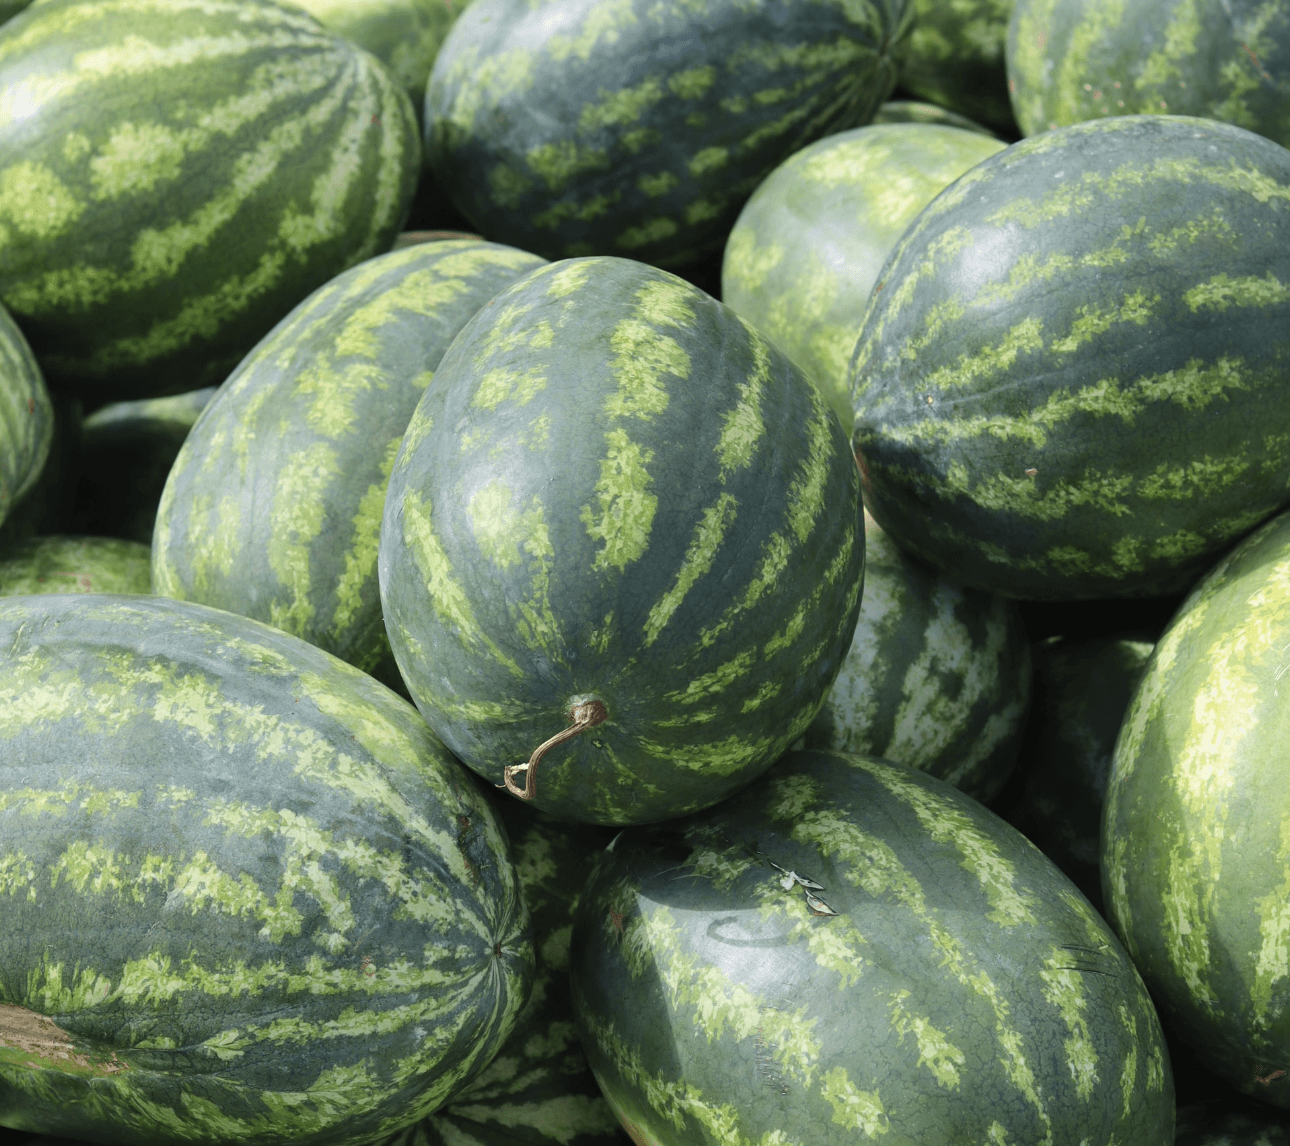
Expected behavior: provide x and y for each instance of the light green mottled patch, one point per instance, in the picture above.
(1064, 989)
(656, 185)
(647, 232)
(806, 491)
(507, 385)
(935, 1051)
(136, 157)
(1223, 291)
(853, 1108)
(361, 553)
(624, 508)
(603, 22)
(709, 533)
(508, 186)
(35, 202)
(642, 357)
(556, 163)
(1273, 962)
(1092, 321)
(775, 553)
(625, 106)
(296, 520)
(742, 428)
(716, 681)
(568, 278)
(1025, 337)
(709, 159)
(444, 592)
(693, 83)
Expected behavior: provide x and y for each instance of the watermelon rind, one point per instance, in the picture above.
(75, 564)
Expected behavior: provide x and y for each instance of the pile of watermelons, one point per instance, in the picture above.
(462, 684)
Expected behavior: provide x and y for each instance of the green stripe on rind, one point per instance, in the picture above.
(293, 456)
(1070, 62)
(1196, 831)
(117, 249)
(655, 153)
(681, 589)
(294, 873)
(937, 676)
(26, 416)
(1039, 424)
(63, 564)
(716, 1008)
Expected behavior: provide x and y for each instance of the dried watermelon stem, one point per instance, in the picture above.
(585, 715)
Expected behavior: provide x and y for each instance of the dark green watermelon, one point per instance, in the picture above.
(273, 507)
(937, 676)
(1069, 383)
(638, 128)
(1195, 842)
(852, 951)
(175, 177)
(1075, 60)
(618, 496)
(71, 564)
(246, 896)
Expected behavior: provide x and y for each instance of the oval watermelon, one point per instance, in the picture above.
(628, 127)
(1070, 382)
(245, 894)
(175, 175)
(853, 951)
(618, 494)
(272, 508)
(1195, 842)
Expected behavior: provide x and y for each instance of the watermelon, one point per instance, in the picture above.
(62, 564)
(937, 676)
(1075, 60)
(806, 250)
(175, 175)
(1081, 691)
(633, 128)
(955, 58)
(916, 111)
(623, 518)
(11, 8)
(1195, 847)
(245, 894)
(538, 1091)
(851, 951)
(124, 455)
(272, 508)
(26, 416)
(1069, 383)
(405, 35)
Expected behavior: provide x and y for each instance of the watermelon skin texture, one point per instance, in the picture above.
(242, 886)
(1075, 60)
(1058, 402)
(956, 59)
(177, 175)
(961, 992)
(1193, 844)
(808, 246)
(937, 676)
(75, 564)
(272, 508)
(26, 416)
(634, 128)
(539, 1090)
(617, 489)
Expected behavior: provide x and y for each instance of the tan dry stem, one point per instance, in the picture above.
(585, 715)
(49, 1045)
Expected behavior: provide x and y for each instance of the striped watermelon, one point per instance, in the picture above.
(955, 58)
(1071, 383)
(245, 894)
(273, 507)
(405, 35)
(620, 502)
(26, 417)
(1195, 839)
(1075, 60)
(538, 1091)
(852, 951)
(175, 175)
(807, 248)
(62, 564)
(937, 676)
(628, 127)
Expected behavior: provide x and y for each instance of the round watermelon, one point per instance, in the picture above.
(853, 951)
(624, 519)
